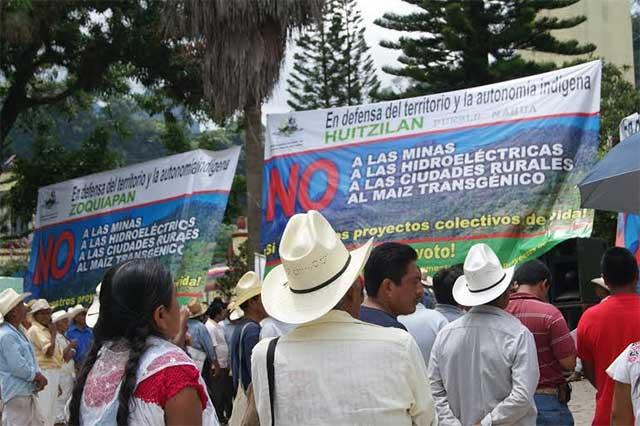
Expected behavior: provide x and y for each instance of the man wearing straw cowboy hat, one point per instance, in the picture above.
(247, 333)
(201, 347)
(42, 335)
(67, 373)
(20, 376)
(80, 333)
(333, 368)
(484, 367)
(247, 301)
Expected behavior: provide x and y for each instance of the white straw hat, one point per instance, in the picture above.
(75, 311)
(40, 305)
(59, 315)
(484, 278)
(600, 282)
(94, 310)
(196, 308)
(316, 271)
(9, 299)
(236, 314)
(247, 288)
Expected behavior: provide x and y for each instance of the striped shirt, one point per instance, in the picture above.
(551, 333)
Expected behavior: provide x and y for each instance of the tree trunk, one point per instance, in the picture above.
(254, 149)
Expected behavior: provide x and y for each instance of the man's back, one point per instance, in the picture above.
(424, 325)
(476, 364)
(245, 337)
(604, 331)
(551, 334)
(341, 371)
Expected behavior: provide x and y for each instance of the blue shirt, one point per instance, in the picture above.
(84, 338)
(18, 366)
(379, 317)
(200, 338)
(228, 328)
(250, 332)
(450, 312)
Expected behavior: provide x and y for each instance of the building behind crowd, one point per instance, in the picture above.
(608, 26)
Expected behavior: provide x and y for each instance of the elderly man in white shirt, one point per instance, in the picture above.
(484, 366)
(329, 369)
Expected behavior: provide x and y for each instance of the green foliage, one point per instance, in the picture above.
(52, 163)
(450, 43)
(56, 50)
(232, 134)
(619, 98)
(238, 266)
(334, 67)
(220, 251)
(13, 267)
(174, 137)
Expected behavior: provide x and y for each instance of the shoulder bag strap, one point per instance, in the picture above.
(271, 352)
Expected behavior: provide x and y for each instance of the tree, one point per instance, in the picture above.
(238, 266)
(333, 67)
(52, 163)
(57, 50)
(460, 44)
(174, 137)
(240, 46)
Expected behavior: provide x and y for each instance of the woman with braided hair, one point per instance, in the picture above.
(134, 374)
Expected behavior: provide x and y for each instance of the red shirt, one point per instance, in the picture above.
(167, 383)
(604, 331)
(551, 333)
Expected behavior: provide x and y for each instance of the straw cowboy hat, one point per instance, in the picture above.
(427, 281)
(484, 278)
(247, 288)
(196, 309)
(236, 314)
(316, 271)
(59, 316)
(9, 299)
(40, 305)
(94, 310)
(75, 311)
(600, 282)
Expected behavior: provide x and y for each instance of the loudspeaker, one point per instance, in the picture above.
(573, 264)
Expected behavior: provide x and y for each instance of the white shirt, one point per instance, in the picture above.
(272, 327)
(484, 368)
(219, 342)
(424, 325)
(337, 370)
(68, 368)
(626, 369)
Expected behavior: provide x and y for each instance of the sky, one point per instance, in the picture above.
(371, 10)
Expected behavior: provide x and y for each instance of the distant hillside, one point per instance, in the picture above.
(135, 134)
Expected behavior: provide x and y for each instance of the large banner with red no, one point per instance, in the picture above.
(497, 164)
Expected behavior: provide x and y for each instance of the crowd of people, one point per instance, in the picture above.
(331, 336)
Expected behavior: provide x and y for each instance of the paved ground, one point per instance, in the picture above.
(582, 402)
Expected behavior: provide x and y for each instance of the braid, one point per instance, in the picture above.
(137, 342)
(129, 296)
(76, 397)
